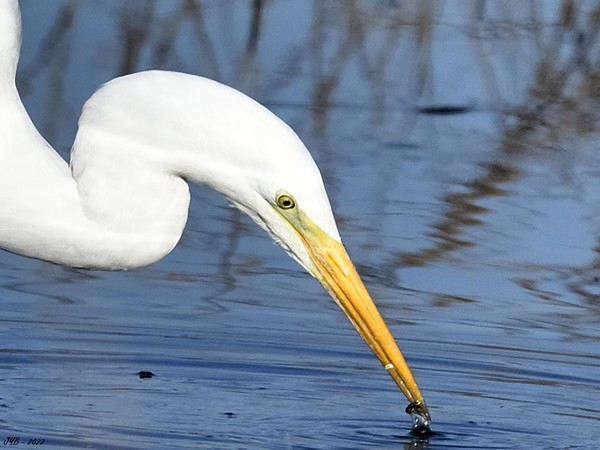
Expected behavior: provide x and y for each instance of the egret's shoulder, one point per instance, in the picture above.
(158, 82)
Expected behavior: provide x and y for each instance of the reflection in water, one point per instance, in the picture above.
(458, 141)
(463, 212)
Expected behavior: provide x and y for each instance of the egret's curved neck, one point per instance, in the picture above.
(10, 42)
(121, 212)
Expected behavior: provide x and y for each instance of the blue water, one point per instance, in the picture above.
(459, 145)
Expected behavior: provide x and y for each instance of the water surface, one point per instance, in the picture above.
(459, 145)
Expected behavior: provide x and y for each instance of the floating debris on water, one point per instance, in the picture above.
(145, 374)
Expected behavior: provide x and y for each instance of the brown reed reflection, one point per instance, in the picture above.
(388, 48)
(560, 104)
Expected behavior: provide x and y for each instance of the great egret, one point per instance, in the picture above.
(122, 202)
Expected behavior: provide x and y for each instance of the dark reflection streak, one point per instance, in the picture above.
(226, 257)
(171, 27)
(30, 288)
(135, 20)
(585, 43)
(328, 80)
(53, 54)
(248, 69)
(53, 39)
(317, 58)
(165, 37)
(55, 101)
(208, 59)
(417, 443)
(485, 66)
(375, 66)
(255, 26)
(420, 66)
(317, 38)
(423, 40)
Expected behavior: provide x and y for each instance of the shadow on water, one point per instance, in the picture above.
(458, 142)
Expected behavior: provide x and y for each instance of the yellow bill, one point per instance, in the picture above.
(334, 269)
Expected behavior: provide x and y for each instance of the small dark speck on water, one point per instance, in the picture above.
(229, 415)
(145, 374)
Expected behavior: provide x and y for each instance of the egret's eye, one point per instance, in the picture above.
(285, 201)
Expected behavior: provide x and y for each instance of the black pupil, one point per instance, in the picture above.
(285, 202)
